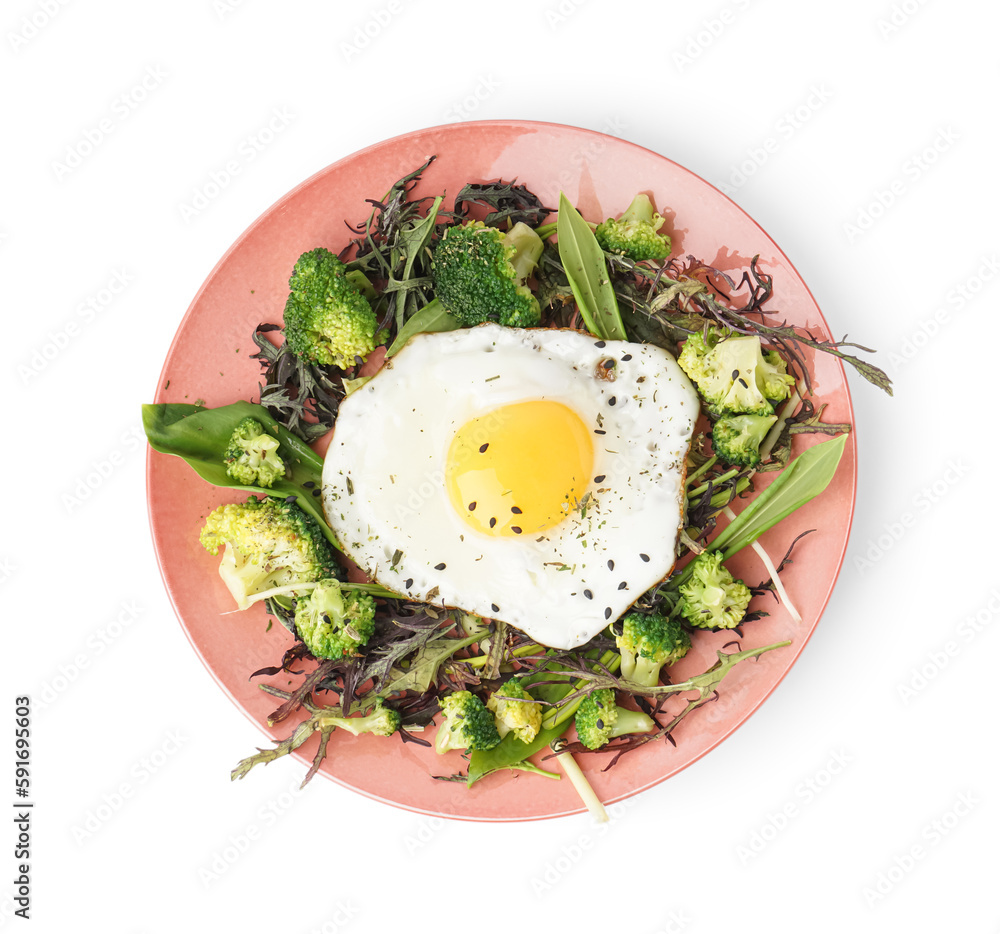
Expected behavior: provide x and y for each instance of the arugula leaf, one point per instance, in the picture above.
(422, 669)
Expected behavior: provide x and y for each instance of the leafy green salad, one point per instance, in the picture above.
(414, 667)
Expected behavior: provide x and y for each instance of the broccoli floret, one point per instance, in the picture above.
(732, 373)
(269, 543)
(647, 642)
(327, 319)
(712, 598)
(634, 233)
(515, 712)
(380, 721)
(252, 455)
(467, 724)
(480, 274)
(773, 377)
(737, 438)
(599, 719)
(333, 622)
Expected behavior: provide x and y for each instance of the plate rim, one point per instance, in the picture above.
(836, 566)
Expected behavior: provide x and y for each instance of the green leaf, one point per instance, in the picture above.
(432, 317)
(200, 436)
(413, 239)
(511, 751)
(423, 667)
(509, 754)
(587, 271)
(804, 478)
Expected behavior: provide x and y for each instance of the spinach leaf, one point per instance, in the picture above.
(201, 435)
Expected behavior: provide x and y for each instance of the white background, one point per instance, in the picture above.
(861, 797)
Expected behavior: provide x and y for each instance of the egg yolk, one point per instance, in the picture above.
(519, 469)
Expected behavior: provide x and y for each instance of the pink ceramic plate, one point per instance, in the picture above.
(210, 360)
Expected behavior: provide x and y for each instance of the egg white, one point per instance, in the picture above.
(385, 497)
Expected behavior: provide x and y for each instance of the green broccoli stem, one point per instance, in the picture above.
(528, 248)
(646, 672)
(722, 478)
(639, 211)
(478, 661)
(786, 412)
(723, 498)
(695, 474)
(631, 721)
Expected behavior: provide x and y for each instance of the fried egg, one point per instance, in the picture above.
(531, 476)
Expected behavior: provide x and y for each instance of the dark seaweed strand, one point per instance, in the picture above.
(759, 284)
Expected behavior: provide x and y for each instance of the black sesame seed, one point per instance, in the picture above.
(472, 506)
(516, 510)
(316, 493)
(601, 344)
(493, 522)
(496, 609)
(627, 356)
(743, 382)
(607, 612)
(588, 594)
(408, 583)
(600, 724)
(439, 567)
(599, 479)
(599, 431)
(309, 484)
(623, 585)
(735, 375)
(516, 529)
(611, 565)
(290, 499)
(608, 364)
(483, 447)
(644, 557)
(612, 401)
